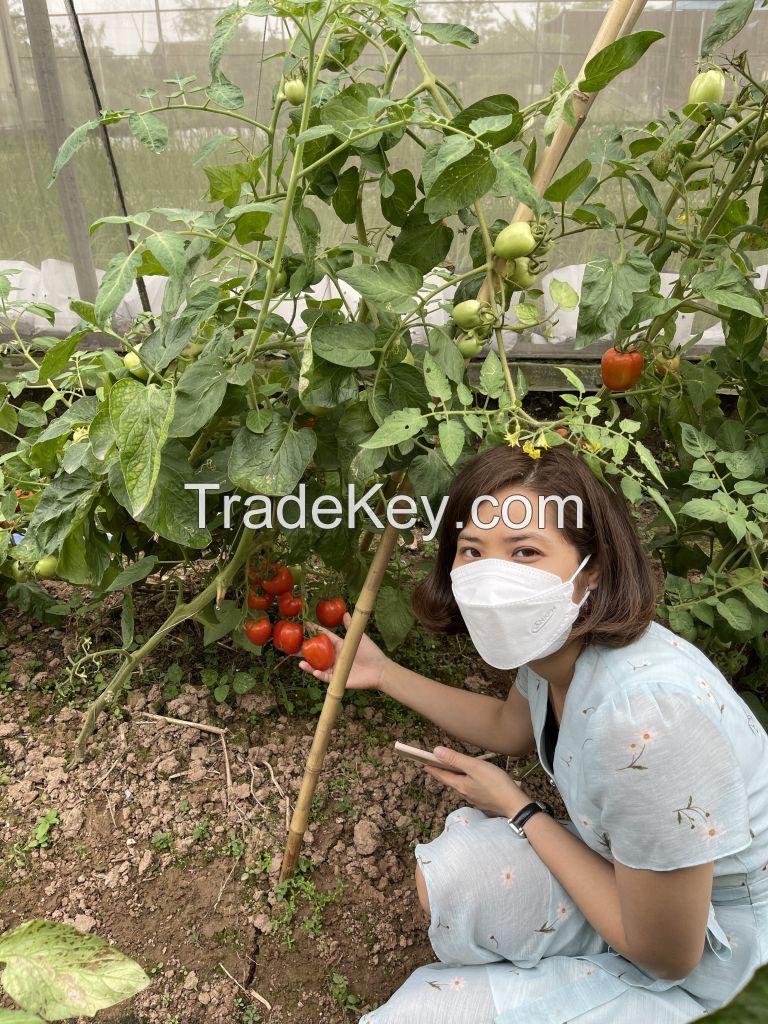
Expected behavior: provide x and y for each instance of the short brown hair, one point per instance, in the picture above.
(624, 603)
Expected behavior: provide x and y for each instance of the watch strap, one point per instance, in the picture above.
(517, 823)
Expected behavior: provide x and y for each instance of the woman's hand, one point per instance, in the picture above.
(368, 667)
(485, 785)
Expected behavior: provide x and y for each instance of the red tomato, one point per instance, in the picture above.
(259, 602)
(289, 604)
(279, 579)
(288, 636)
(310, 422)
(318, 651)
(562, 431)
(331, 612)
(621, 370)
(258, 631)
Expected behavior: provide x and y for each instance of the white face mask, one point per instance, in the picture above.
(514, 612)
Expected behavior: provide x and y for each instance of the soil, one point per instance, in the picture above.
(155, 853)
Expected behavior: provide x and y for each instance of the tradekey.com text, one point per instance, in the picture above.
(327, 512)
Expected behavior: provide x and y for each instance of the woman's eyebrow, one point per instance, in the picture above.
(507, 540)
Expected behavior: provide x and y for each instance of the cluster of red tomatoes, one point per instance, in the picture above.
(19, 494)
(274, 583)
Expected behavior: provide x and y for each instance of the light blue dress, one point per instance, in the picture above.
(661, 765)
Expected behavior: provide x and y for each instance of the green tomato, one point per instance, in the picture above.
(281, 280)
(470, 346)
(514, 240)
(17, 572)
(521, 274)
(317, 410)
(295, 91)
(468, 314)
(707, 87)
(132, 362)
(46, 567)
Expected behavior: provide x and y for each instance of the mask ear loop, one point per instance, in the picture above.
(581, 566)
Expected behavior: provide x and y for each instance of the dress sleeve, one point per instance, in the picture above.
(521, 681)
(665, 778)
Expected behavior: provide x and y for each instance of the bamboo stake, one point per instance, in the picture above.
(619, 20)
(332, 704)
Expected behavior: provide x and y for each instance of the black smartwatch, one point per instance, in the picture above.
(519, 820)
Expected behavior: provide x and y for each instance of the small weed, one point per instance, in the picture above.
(234, 847)
(162, 840)
(184, 807)
(246, 1013)
(302, 887)
(42, 836)
(339, 987)
(201, 831)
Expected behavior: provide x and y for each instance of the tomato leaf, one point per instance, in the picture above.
(616, 57)
(730, 18)
(141, 417)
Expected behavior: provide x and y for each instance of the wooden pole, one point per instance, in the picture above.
(619, 20)
(336, 688)
(52, 102)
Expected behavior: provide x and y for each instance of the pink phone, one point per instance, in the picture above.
(425, 757)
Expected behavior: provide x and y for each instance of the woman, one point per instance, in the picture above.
(650, 902)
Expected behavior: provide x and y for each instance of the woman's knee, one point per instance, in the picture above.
(421, 889)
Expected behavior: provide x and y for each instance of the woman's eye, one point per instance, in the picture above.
(467, 551)
(525, 552)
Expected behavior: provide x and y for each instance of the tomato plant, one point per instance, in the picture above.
(231, 379)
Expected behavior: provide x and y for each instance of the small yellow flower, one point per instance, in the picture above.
(530, 449)
(512, 439)
(681, 218)
(541, 441)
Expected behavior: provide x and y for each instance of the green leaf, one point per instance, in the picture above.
(735, 613)
(133, 574)
(443, 32)
(500, 105)
(727, 286)
(649, 462)
(224, 93)
(566, 185)
(57, 357)
(274, 462)
(141, 416)
(459, 185)
(616, 57)
(217, 623)
(226, 26)
(451, 435)
(422, 243)
(571, 377)
(491, 376)
(395, 207)
(19, 1017)
(647, 196)
(115, 284)
(149, 130)
(57, 972)
(436, 379)
(730, 18)
(430, 475)
(168, 249)
(512, 179)
(74, 141)
(173, 510)
(389, 286)
(562, 294)
(695, 442)
(445, 353)
(199, 393)
(394, 616)
(757, 594)
(344, 199)
(607, 293)
(347, 113)
(631, 488)
(347, 344)
(704, 509)
(66, 499)
(397, 427)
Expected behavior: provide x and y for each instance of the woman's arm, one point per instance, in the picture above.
(657, 919)
(486, 722)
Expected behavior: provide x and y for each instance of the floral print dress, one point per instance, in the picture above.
(661, 765)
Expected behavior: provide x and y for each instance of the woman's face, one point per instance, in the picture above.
(546, 547)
